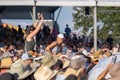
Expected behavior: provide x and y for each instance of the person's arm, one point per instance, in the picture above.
(37, 21)
(104, 73)
(49, 47)
(31, 35)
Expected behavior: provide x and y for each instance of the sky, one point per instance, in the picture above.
(65, 17)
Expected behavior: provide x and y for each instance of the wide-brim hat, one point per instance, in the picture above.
(6, 63)
(96, 55)
(45, 73)
(18, 68)
(49, 60)
(70, 71)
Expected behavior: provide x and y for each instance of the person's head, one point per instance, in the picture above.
(5, 65)
(30, 29)
(105, 48)
(27, 58)
(71, 77)
(60, 38)
(8, 76)
(19, 26)
(66, 25)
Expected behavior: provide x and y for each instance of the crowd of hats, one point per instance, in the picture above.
(42, 72)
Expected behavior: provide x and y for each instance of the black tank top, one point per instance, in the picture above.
(29, 45)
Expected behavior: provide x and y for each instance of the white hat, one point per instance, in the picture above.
(26, 56)
(60, 36)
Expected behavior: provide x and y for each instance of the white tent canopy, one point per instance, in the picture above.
(60, 2)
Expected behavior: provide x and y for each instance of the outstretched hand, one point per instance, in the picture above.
(40, 15)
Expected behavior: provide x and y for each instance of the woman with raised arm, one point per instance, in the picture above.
(55, 47)
(31, 32)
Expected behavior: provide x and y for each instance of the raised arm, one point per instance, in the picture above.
(37, 21)
(51, 46)
(104, 73)
(40, 22)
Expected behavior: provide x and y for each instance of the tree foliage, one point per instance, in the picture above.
(82, 20)
(109, 16)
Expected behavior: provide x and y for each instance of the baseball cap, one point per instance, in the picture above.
(26, 56)
(60, 36)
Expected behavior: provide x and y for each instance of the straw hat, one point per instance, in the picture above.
(49, 60)
(96, 55)
(44, 73)
(76, 65)
(6, 63)
(18, 68)
(70, 71)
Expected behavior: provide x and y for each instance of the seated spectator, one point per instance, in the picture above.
(55, 47)
(27, 60)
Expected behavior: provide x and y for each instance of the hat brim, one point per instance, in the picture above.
(72, 71)
(2, 67)
(53, 62)
(50, 63)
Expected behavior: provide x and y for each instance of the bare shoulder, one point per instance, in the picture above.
(54, 43)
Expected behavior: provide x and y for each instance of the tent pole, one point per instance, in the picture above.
(34, 11)
(95, 27)
(34, 18)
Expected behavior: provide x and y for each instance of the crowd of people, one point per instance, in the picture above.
(40, 55)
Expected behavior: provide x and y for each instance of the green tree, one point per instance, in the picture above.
(109, 16)
(82, 20)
